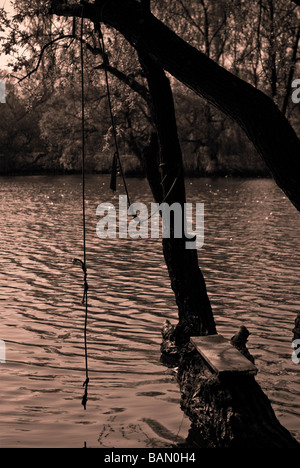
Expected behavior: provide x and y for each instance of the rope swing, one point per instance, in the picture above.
(76, 261)
(116, 165)
(84, 265)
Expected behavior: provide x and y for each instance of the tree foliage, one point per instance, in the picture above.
(257, 41)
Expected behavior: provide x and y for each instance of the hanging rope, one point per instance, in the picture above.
(116, 158)
(84, 266)
(76, 261)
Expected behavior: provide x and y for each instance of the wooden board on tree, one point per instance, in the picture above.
(221, 356)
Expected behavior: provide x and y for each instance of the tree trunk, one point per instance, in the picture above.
(195, 313)
(227, 412)
(257, 115)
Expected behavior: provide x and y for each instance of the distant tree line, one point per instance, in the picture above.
(40, 122)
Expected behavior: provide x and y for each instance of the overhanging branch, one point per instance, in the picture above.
(255, 112)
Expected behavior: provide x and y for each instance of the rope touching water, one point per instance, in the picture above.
(84, 263)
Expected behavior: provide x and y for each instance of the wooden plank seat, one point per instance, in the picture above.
(221, 356)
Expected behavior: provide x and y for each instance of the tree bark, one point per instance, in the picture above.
(256, 113)
(195, 313)
(227, 412)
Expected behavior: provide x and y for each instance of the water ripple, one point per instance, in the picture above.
(251, 264)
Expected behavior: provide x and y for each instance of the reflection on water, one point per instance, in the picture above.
(251, 264)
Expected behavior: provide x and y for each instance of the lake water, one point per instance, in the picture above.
(250, 261)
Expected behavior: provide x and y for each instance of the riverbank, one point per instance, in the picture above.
(200, 164)
(132, 168)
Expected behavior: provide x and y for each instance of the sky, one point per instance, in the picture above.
(6, 4)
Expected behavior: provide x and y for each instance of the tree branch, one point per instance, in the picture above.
(93, 50)
(43, 50)
(256, 113)
(129, 81)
